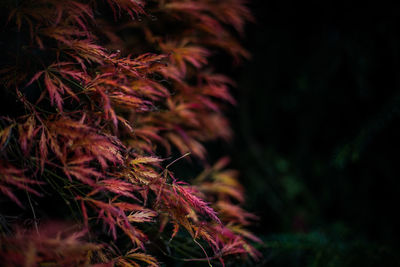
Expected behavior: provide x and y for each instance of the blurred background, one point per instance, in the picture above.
(317, 132)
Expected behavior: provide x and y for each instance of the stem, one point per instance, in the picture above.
(33, 212)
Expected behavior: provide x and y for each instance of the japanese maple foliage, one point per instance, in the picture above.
(106, 95)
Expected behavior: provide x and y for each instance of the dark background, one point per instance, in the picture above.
(317, 132)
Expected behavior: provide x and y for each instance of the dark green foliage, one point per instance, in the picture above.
(318, 125)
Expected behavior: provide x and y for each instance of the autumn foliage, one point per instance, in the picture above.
(99, 100)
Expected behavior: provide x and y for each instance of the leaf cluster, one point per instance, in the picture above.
(104, 91)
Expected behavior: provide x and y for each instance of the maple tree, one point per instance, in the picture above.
(103, 93)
